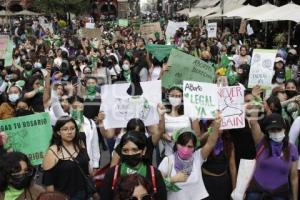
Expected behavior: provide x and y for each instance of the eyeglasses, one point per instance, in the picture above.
(30, 172)
(145, 197)
(67, 129)
(176, 96)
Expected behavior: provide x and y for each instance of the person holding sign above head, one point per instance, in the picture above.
(16, 178)
(66, 161)
(173, 119)
(275, 174)
(182, 169)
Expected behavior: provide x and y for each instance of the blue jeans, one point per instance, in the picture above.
(80, 195)
(260, 196)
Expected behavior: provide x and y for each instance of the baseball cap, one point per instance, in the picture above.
(279, 59)
(274, 120)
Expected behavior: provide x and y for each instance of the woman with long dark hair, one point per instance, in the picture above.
(16, 175)
(62, 173)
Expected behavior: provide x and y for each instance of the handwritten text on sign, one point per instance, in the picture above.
(231, 105)
(199, 100)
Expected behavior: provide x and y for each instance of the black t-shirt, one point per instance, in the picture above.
(92, 107)
(148, 154)
(243, 143)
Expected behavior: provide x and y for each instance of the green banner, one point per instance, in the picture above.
(160, 52)
(123, 22)
(30, 135)
(184, 67)
(9, 53)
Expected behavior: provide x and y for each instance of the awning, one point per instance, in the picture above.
(203, 12)
(229, 5)
(290, 12)
(240, 11)
(207, 3)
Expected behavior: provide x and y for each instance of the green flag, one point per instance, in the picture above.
(183, 66)
(30, 135)
(159, 51)
(9, 53)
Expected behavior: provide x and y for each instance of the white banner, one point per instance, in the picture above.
(119, 107)
(262, 68)
(212, 30)
(173, 27)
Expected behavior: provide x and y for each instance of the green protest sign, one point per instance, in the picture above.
(123, 22)
(159, 51)
(183, 66)
(30, 135)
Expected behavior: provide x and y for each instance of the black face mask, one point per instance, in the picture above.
(21, 181)
(23, 112)
(131, 160)
(28, 67)
(291, 93)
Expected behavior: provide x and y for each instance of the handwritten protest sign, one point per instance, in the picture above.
(91, 33)
(119, 107)
(123, 22)
(29, 134)
(90, 25)
(173, 27)
(212, 30)
(261, 71)
(200, 100)
(148, 30)
(183, 66)
(231, 105)
(6, 50)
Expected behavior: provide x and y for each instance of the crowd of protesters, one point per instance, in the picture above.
(59, 72)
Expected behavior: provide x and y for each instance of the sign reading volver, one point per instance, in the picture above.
(120, 106)
(30, 135)
(183, 66)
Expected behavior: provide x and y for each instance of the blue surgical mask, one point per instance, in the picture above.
(13, 97)
(38, 65)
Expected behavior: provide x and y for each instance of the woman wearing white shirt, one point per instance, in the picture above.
(182, 169)
(174, 120)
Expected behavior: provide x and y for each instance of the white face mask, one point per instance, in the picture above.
(277, 136)
(174, 101)
(125, 67)
(13, 97)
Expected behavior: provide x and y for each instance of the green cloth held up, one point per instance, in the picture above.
(160, 52)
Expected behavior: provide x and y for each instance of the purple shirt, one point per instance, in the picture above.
(273, 172)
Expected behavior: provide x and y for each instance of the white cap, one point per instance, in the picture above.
(279, 59)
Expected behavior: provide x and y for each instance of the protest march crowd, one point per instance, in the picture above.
(146, 111)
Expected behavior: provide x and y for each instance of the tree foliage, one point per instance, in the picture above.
(61, 7)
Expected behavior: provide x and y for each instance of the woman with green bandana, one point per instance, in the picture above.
(133, 145)
(126, 71)
(16, 175)
(182, 169)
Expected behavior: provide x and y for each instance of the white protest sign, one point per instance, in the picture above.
(90, 25)
(212, 30)
(173, 27)
(231, 106)
(200, 99)
(262, 68)
(119, 107)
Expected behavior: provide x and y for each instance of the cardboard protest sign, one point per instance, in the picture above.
(262, 68)
(173, 27)
(183, 66)
(148, 30)
(90, 25)
(212, 30)
(6, 50)
(160, 52)
(123, 22)
(30, 135)
(91, 33)
(119, 107)
(231, 106)
(200, 99)
(243, 25)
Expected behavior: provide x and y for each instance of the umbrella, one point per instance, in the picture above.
(240, 11)
(26, 13)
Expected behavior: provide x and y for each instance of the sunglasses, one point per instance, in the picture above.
(145, 197)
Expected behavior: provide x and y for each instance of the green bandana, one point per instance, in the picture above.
(160, 52)
(141, 169)
(12, 193)
(27, 74)
(91, 92)
(126, 74)
(77, 115)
